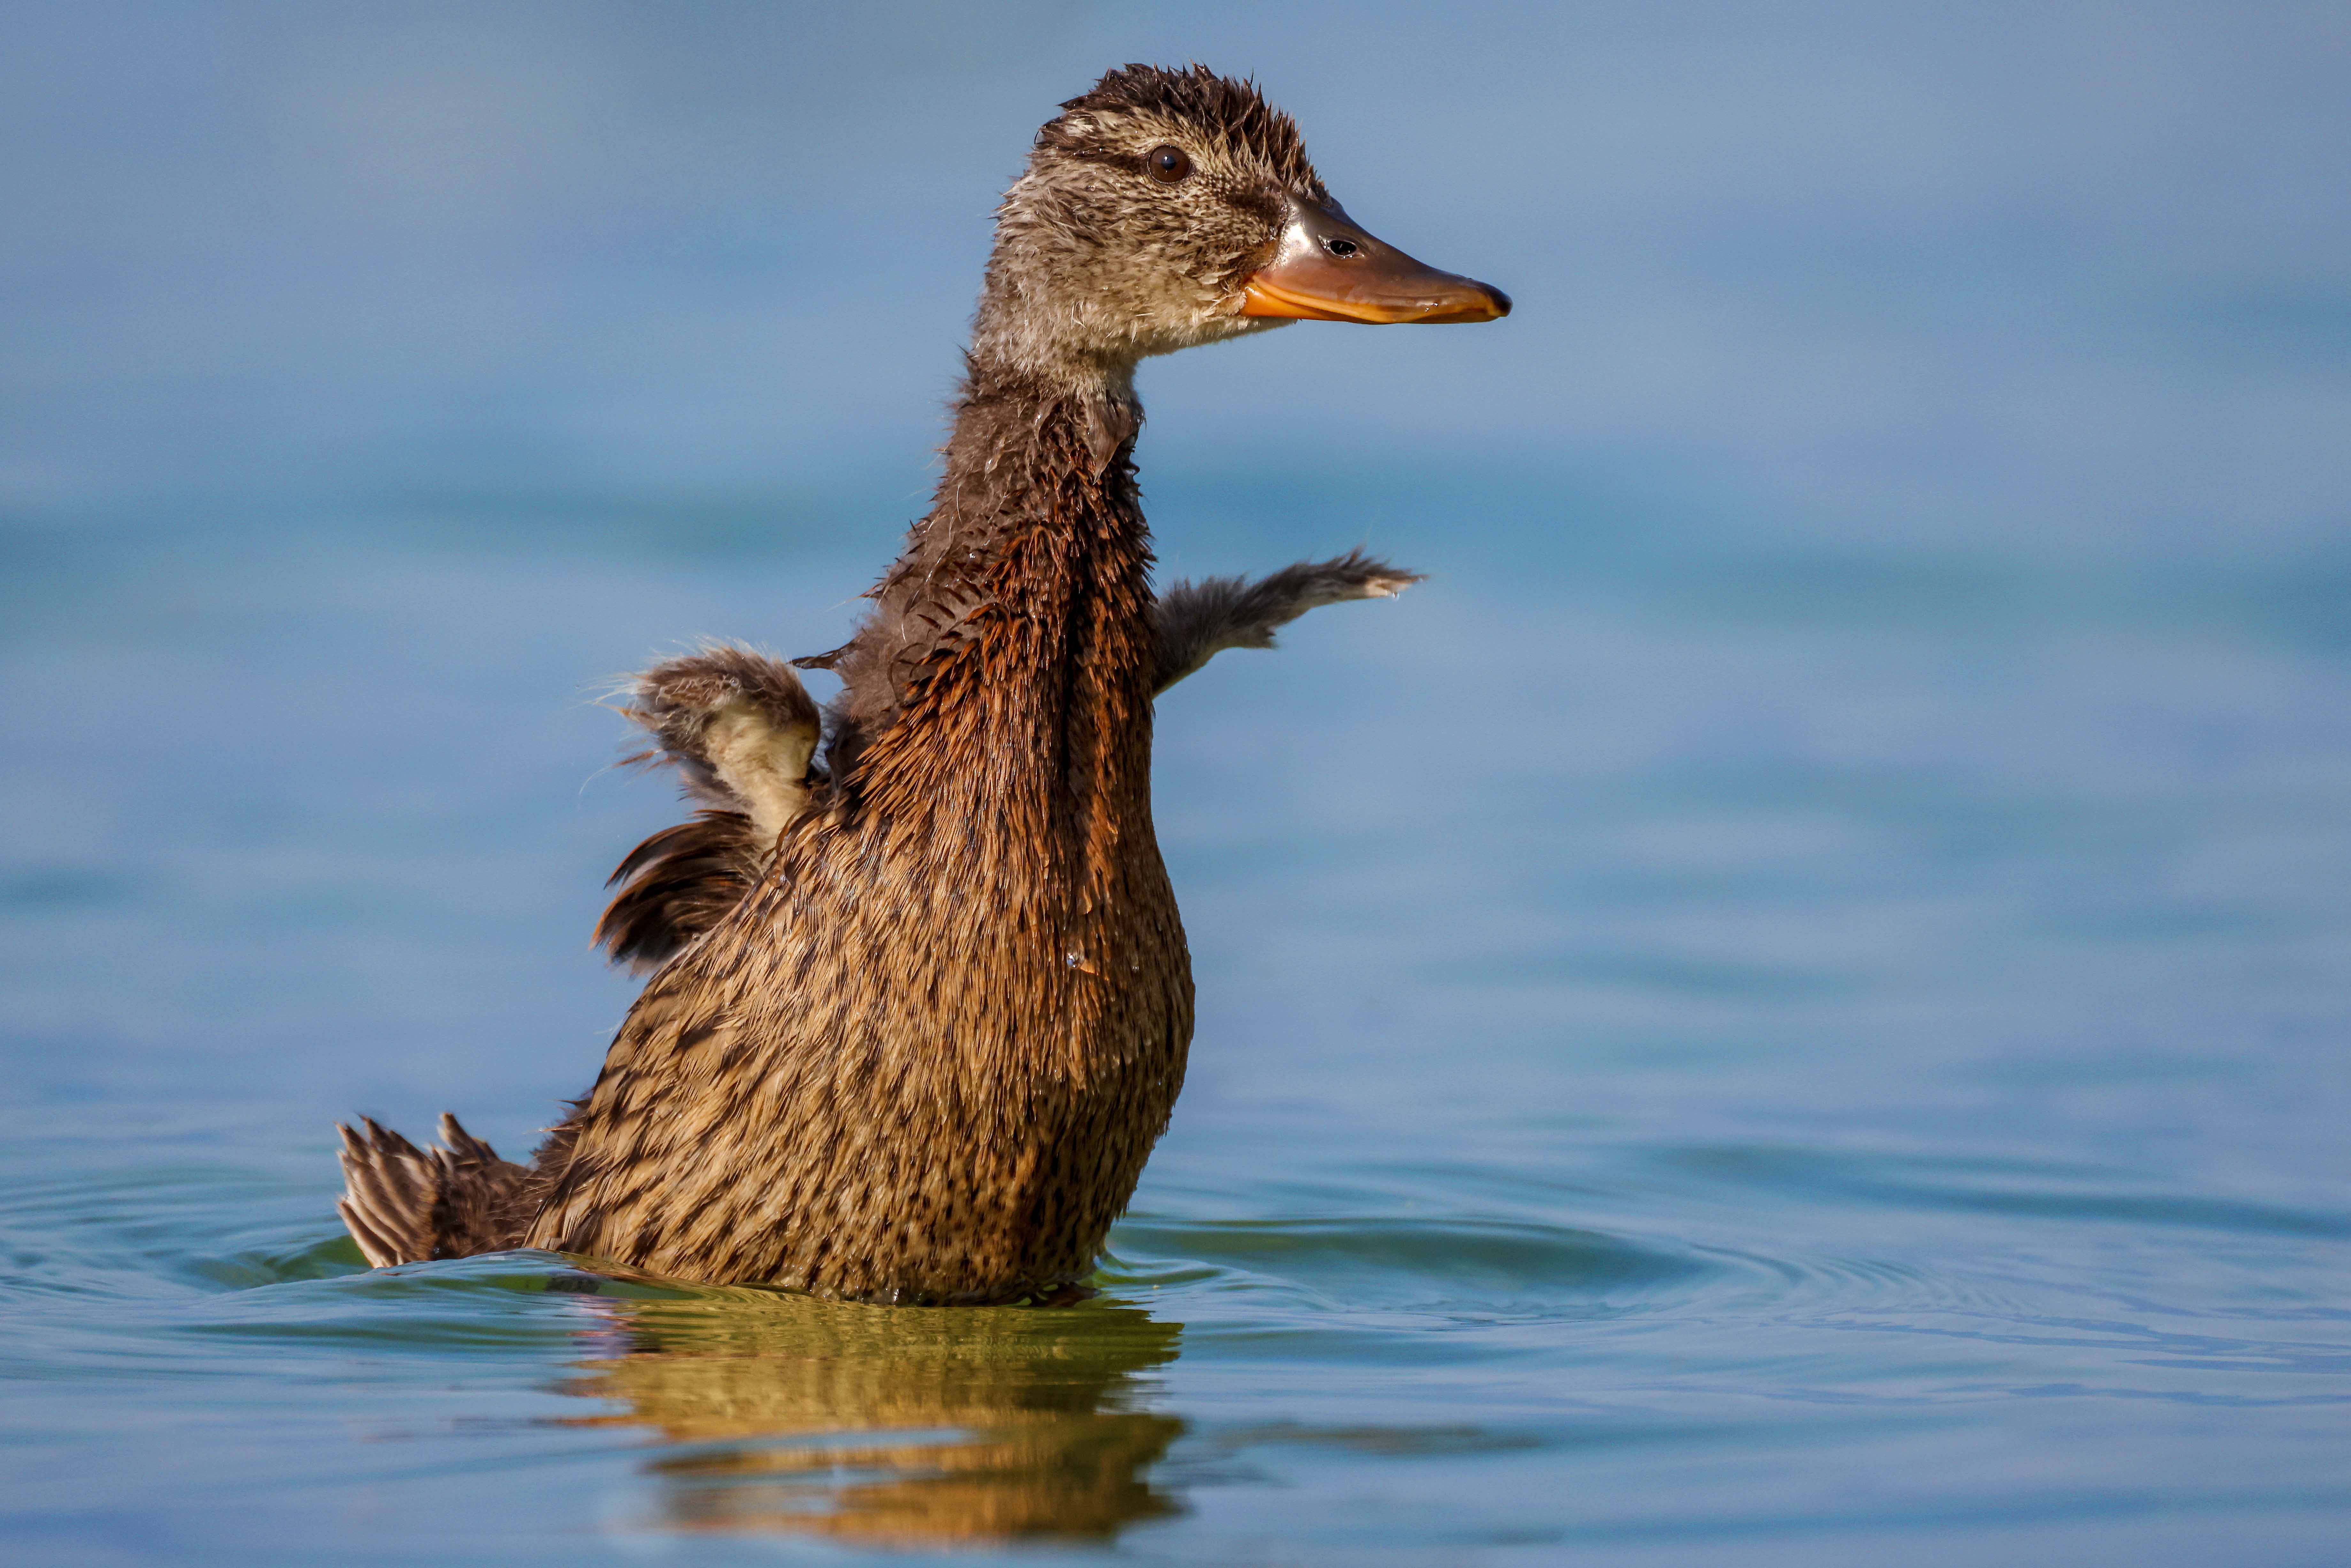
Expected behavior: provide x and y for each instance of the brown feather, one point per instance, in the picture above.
(406, 1205)
(695, 706)
(1195, 622)
(676, 885)
(926, 1058)
(922, 1017)
(683, 879)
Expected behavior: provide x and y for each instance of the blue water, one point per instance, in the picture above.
(1712, 1050)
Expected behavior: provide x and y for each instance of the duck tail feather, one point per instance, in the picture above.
(405, 1205)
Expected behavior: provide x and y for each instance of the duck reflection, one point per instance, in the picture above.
(886, 1425)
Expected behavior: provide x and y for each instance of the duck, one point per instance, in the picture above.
(918, 1002)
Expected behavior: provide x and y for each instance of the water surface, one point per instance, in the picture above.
(1708, 1053)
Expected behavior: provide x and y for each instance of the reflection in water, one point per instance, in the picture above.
(889, 1425)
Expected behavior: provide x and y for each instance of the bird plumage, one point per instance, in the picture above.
(920, 1001)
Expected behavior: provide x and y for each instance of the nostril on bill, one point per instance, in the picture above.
(1341, 247)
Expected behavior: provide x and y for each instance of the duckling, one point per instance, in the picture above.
(921, 1010)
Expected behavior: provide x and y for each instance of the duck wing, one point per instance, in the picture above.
(741, 731)
(677, 884)
(1197, 621)
(738, 726)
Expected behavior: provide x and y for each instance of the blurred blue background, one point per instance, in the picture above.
(2064, 280)
(1790, 1000)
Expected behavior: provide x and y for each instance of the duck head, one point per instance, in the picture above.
(1169, 208)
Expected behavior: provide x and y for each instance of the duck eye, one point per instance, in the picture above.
(1167, 164)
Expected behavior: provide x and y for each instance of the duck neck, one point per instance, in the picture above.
(1013, 445)
(1022, 602)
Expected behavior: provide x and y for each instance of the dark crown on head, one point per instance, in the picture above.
(1231, 111)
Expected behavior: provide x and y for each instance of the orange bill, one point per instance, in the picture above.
(1329, 269)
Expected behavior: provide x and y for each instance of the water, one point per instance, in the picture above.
(1710, 1052)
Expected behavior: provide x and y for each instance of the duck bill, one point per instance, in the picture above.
(1329, 270)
